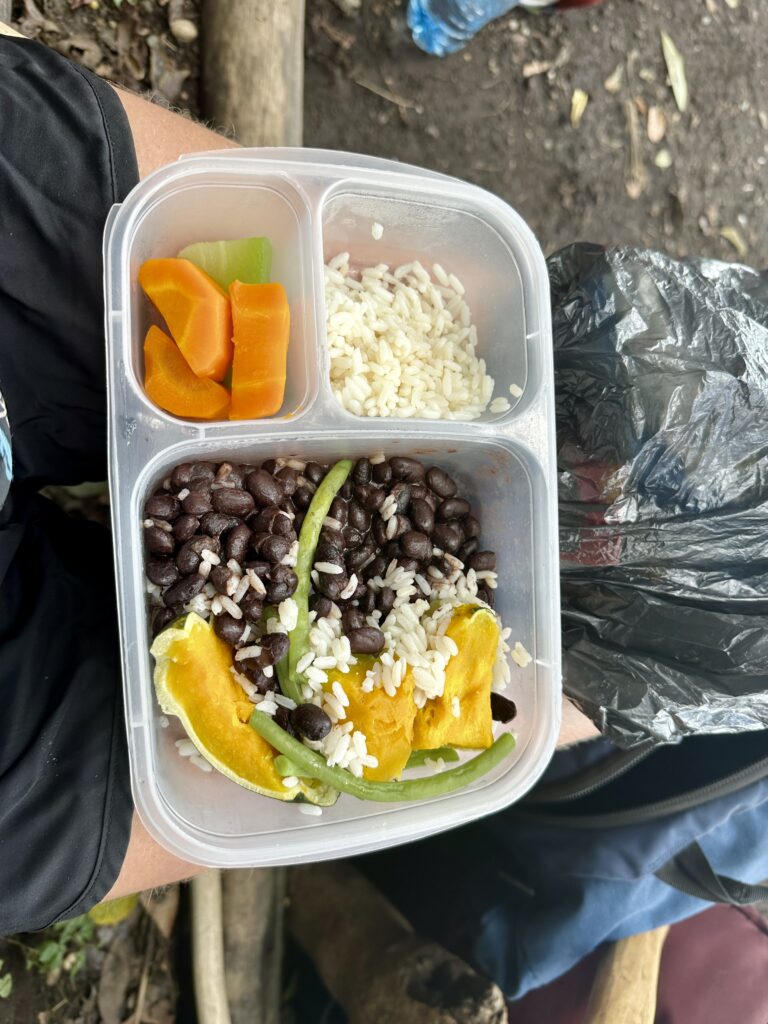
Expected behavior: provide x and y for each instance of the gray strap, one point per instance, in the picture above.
(691, 873)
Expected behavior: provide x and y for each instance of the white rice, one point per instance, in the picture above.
(456, 707)
(163, 722)
(377, 230)
(499, 405)
(402, 345)
(520, 656)
(289, 781)
(229, 606)
(515, 390)
(201, 763)
(330, 568)
(288, 613)
(248, 652)
(311, 810)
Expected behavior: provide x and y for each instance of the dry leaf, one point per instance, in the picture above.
(733, 4)
(676, 71)
(579, 102)
(614, 81)
(663, 159)
(162, 907)
(657, 124)
(636, 180)
(536, 67)
(734, 236)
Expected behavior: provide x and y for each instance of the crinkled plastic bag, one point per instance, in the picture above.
(661, 382)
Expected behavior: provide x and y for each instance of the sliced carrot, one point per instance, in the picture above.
(261, 319)
(196, 311)
(172, 385)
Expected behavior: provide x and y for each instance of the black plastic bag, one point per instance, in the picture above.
(661, 383)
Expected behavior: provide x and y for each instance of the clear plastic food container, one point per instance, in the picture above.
(313, 204)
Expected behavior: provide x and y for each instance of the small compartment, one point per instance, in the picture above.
(470, 239)
(207, 818)
(205, 208)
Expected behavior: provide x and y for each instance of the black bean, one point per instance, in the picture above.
(358, 517)
(468, 548)
(419, 491)
(403, 526)
(352, 618)
(303, 497)
(338, 511)
(264, 488)
(346, 490)
(470, 526)
(289, 480)
(181, 475)
(443, 565)
(332, 585)
(407, 469)
(330, 546)
(162, 572)
(252, 605)
(282, 584)
(159, 542)
(422, 516)
(274, 549)
(189, 555)
(216, 523)
(391, 550)
(269, 466)
(314, 472)
(502, 709)
(486, 594)
(282, 526)
(361, 473)
(382, 473)
(256, 542)
(184, 590)
(482, 560)
(197, 503)
(254, 671)
(451, 508)
(367, 602)
(376, 568)
(228, 628)
(380, 532)
(159, 619)
(447, 536)
(236, 544)
(263, 521)
(370, 497)
(185, 527)
(232, 474)
(276, 644)
(386, 601)
(201, 474)
(311, 721)
(355, 559)
(298, 522)
(233, 502)
(283, 719)
(220, 576)
(321, 605)
(352, 538)
(416, 545)
(441, 483)
(409, 564)
(162, 506)
(402, 495)
(261, 569)
(366, 640)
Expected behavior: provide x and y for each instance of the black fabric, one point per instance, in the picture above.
(691, 873)
(65, 805)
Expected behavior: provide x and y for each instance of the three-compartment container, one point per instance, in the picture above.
(312, 205)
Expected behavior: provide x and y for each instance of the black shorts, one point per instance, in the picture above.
(65, 805)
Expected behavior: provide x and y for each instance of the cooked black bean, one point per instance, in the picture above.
(201, 473)
(162, 506)
(422, 516)
(264, 488)
(197, 503)
(261, 569)
(311, 721)
(321, 605)
(470, 526)
(419, 491)
(357, 558)
(486, 594)
(346, 490)
(382, 473)
(252, 605)
(159, 542)
(162, 572)
(257, 542)
(366, 640)
(289, 480)
(264, 521)
(330, 547)
(303, 497)
(298, 522)
(282, 526)
(282, 584)
(189, 555)
(502, 708)
(332, 585)
(442, 565)
(407, 469)
(233, 502)
(352, 537)
(352, 618)
(432, 500)
(403, 526)
(181, 475)
(314, 472)
(255, 672)
(361, 472)
(220, 576)
(283, 719)
(370, 497)
(159, 619)
(367, 602)
(380, 532)
(468, 548)
(338, 511)
(402, 494)
(386, 600)
(416, 545)
(391, 550)
(230, 474)
(440, 482)
(276, 644)
(269, 466)
(358, 517)
(236, 544)
(185, 527)
(447, 536)
(228, 628)
(376, 568)
(409, 564)
(482, 561)
(216, 523)
(274, 549)
(184, 590)
(451, 508)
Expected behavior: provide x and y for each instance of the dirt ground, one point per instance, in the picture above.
(498, 114)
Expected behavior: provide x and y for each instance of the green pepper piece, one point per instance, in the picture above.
(327, 490)
(418, 757)
(387, 792)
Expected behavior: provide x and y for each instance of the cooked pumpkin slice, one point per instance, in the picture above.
(193, 681)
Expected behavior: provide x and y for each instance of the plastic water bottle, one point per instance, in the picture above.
(445, 26)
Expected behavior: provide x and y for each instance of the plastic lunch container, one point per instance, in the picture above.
(312, 205)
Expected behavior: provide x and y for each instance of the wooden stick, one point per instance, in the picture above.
(208, 950)
(626, 987)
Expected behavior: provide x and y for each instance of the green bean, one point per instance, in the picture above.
(418, 757)
(327, 490)
(285, 766)
(387, 792)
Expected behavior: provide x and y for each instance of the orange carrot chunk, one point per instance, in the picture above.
(171, 384)
(196, 311)
(261, 320)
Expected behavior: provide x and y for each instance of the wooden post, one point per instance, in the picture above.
(627, 981)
